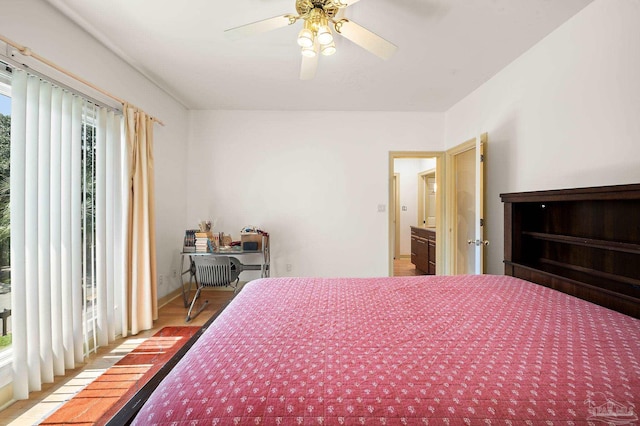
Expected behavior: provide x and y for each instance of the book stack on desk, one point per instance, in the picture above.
(203, 244)
(189, 245)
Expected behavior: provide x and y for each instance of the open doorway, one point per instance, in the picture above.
(414, 205)
(427, 188)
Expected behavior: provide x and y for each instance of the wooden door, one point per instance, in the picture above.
(466, 215)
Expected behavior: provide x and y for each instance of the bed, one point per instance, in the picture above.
(463, 349)
(436, 350)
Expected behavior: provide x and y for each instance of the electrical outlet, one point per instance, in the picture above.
(160, 280)
(289, 267)
(175, 273)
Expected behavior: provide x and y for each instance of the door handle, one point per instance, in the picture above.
(478, 242)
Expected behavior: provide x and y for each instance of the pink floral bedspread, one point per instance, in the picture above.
(412, 350)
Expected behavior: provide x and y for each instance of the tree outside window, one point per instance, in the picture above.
(5, 244)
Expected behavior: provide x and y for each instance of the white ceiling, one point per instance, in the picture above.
(447, 48)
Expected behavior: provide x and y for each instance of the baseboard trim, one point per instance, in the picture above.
(169, 297)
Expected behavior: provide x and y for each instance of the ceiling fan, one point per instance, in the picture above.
(316, 36)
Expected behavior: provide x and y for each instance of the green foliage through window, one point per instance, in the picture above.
(5, 151)
(5, 340)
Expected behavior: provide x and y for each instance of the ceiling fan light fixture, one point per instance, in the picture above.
(305, 38)
(324, 35)
(329, 49)
(309, 52)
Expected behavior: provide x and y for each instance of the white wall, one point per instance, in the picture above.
(565, 114)
(408, 168)
(38, 26)
(313, 180)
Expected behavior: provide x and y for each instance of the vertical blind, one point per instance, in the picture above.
(68, 189)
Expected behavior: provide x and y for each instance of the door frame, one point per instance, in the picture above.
(396, 212)
(440, 202)
(451, 200)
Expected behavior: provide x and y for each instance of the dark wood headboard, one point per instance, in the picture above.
(584, 242)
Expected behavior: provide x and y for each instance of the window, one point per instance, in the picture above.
(68, 169)
(89, 292)
(88, 187)
(5, 247)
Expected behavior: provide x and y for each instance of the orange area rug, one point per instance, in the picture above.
(100, 401)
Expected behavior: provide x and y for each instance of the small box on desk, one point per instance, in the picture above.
(251, 241)
(250, 246)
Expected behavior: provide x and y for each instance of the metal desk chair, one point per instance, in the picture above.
(211, 271)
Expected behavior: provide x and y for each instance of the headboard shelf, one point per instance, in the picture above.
(584, 241)
(634, 283)
(587, 242)
(610, 299)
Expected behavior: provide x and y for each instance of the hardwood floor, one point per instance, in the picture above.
(41, 404)
(403, 267)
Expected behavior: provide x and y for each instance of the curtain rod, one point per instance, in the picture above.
(24, 50)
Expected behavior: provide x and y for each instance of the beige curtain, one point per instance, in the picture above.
(141, 281)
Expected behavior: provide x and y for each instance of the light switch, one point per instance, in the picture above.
(404, 208)
(382, 208)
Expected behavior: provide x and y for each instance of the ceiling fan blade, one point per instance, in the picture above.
(308, 68)
(340, 15)
(366, 39)
(260, 26)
